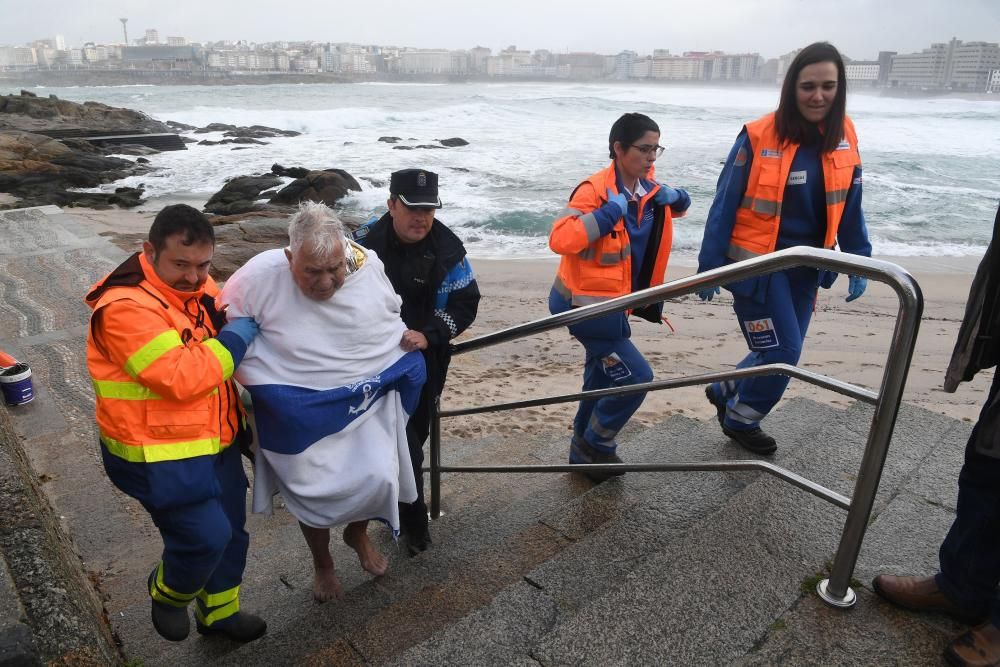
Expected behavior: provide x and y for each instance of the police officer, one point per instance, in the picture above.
(427, 266)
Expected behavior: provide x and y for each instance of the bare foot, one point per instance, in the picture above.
(356, 537)
(326, 586)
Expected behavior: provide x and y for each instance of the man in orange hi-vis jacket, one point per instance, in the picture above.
(161, 357)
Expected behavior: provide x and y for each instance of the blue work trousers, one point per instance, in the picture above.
(970, 554)
(204, 542)
(610, 362)
(774, 329)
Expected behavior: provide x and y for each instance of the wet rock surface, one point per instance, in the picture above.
(38, 170)
(29, 112)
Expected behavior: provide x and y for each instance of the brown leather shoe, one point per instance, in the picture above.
(921, 594)
(979, 647)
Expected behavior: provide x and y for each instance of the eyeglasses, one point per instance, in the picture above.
(646, 149)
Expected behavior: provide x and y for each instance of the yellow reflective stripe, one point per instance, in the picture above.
(152, 351)
(173, 451)
(126, 391)
(217, 614)
(159, 590)
(222, 354)
(217, 599)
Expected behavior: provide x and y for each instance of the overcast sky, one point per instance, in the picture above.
(860, 28)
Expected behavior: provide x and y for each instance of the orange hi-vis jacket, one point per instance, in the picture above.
(758, 218)
(596, 268)
(161, 379)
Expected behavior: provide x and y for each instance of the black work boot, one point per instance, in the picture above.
(718, 403)
(754, 440)
(415, 527)
(582, 451)
(172, 623)
(240, 627)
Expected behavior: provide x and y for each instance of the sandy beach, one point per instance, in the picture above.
(845, 341)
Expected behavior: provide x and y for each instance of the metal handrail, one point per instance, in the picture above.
(836, 589)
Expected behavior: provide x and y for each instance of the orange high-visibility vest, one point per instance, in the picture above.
(160, 378)
(596, 268)
(758, 218)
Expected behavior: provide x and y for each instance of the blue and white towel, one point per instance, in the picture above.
(332, 392)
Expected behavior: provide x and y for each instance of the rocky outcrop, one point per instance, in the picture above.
(39, 171)
(389, 140)
(452, 142)
(327, 186)
(250, 132)
(291, 172)
(237, 140)
(237, 242)
(241, 195)
(30, 113)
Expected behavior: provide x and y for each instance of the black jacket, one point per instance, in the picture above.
(439, 292)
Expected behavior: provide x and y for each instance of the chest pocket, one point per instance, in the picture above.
(844, 159)
(612, 248)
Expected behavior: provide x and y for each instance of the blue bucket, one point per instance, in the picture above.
(15, 382)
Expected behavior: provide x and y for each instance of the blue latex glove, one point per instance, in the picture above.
(666, 195)
(707, 294)
(244, 327)
(856, 286)
(619, 201)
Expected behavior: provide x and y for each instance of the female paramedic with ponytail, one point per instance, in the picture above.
(613, 238)
(793, 178)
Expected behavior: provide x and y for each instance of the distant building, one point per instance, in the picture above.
(17, 57)
(160, 57)
(477, 59)
(677, 68)
(954, 65)
(884, 66)
(732, 67)
(59, 43)
(424, 61)
(862, 72)
(581, 65)
(623, 64)
(784, 62)
(510, 62)
(994, 85)
(177, 41)
(152, 37)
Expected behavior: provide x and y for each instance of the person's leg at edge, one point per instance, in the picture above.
(773, 334)
(621, 364)
(413, 522)
(356, 537)
(326, 585)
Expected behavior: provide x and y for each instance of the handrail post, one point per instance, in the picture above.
(436, 458)
(836, 590)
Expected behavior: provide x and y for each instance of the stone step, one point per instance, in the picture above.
(618, 527)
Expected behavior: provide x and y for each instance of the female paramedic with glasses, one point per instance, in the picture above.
(793, 178)
(613, 238)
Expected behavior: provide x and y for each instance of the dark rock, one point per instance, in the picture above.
(142, 160)
(260, 132)
(28, 93)
(215, 127)
(238, 140)
(453, 141)
(240, 194)
(32, 113)
(389, 140)
(460, 169)
(431, 146)
(348, 143)
(134, 149)
(402, 148)
(291, 172)
(241, 148)
(241, 239)
(189, 140)
(184, 127)
(327, 186)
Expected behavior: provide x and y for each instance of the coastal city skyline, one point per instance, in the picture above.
(860, 28)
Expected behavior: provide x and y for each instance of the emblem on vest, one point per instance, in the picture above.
(797, 178)
(770, 152)
(844, 145)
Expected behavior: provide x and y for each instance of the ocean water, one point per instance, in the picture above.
(931, 166)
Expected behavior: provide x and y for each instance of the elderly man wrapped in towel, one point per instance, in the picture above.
(332, 387)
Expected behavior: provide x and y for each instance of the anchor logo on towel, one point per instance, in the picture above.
(370, 397)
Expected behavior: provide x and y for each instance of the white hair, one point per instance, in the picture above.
(316, 228)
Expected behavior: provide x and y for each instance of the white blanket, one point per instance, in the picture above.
(331, 390)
